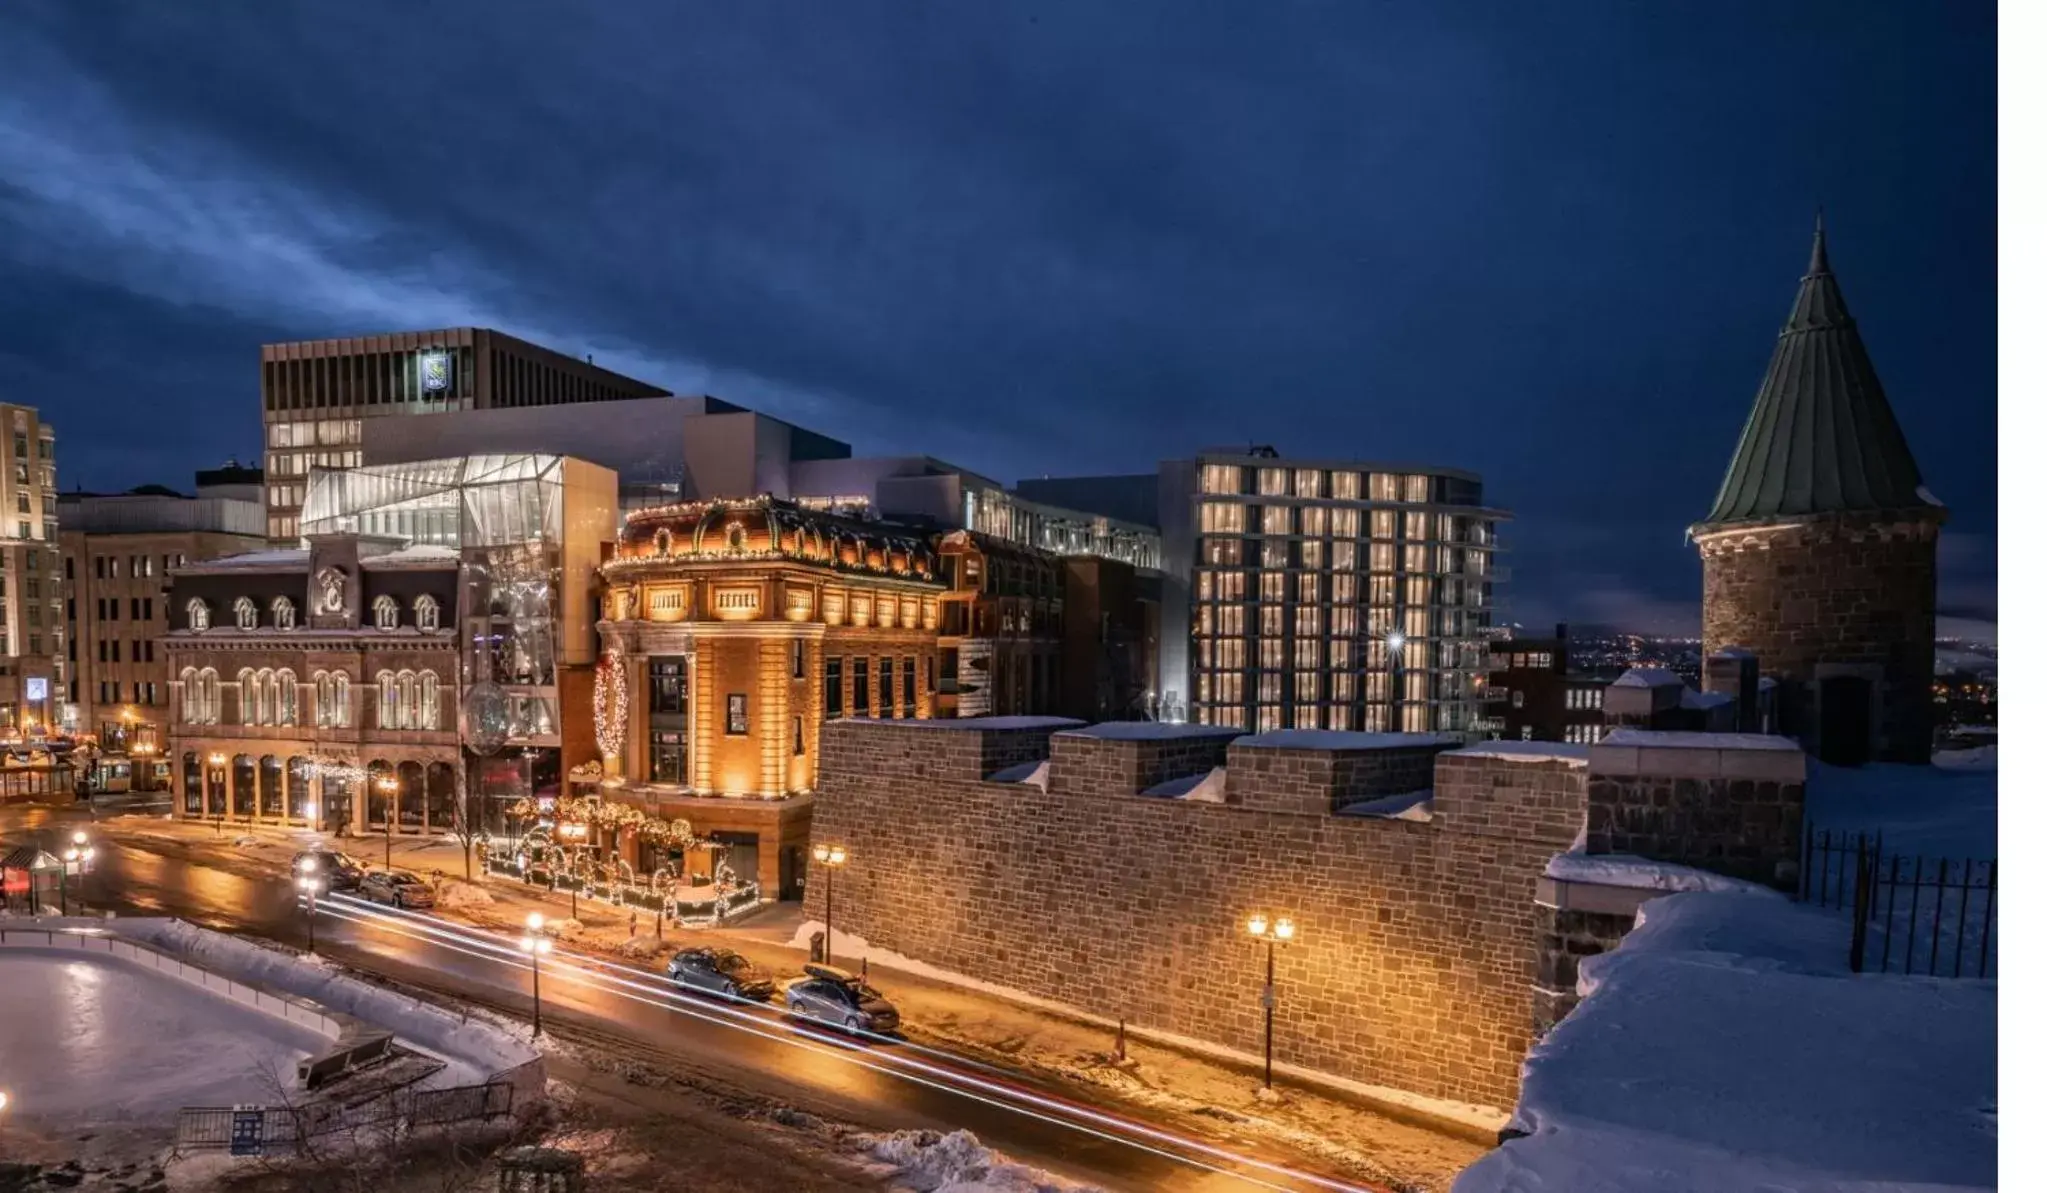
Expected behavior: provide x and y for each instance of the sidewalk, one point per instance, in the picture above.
(1202, 1094)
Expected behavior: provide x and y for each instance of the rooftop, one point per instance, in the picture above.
(1337, 739)
(1149, 731)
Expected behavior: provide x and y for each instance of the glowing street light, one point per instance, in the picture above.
(388, 787)
(216, 787)
(831, 857)
(536, 946)
(1272, 932)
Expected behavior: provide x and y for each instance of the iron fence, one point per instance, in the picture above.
(213, 1128)
(1910, 914)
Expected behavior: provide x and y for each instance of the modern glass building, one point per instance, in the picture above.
(1326, 595)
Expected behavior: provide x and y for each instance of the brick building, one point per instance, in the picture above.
(1819, 551)
(741, 628)
(1001, 624)
(119, 551)
(1533, 693)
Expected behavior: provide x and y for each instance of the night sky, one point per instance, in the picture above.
(1551, 243)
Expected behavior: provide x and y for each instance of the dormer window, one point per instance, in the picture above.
(197, 615)
(426, 613)
(245, 613)
(385, 610)
(283, 614)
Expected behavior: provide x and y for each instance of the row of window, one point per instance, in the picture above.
(1584, 735)
(1523, 659)
(426, 613)
(1341, 484)
(133, 567)
(109, 608)
(406, 699)
(110, 692)
(1585, 698)
(886, 671)
(141, 650)
(1341, 588)
(1370, 718)
(1341, 555)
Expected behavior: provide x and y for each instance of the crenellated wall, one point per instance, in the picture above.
(1413, 963)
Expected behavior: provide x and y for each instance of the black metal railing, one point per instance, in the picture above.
(213, 1128)
(1910, 914)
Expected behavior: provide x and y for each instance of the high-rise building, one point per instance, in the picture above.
(31, 607)
(317, 394)
(1819, 551)
(1327, 595)
(118, 551)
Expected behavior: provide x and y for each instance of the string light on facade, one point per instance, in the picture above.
(609, 702)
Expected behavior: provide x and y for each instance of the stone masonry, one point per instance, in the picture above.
(1840, 592)
(1732, 803)
(1125, 758)
(1413, 964)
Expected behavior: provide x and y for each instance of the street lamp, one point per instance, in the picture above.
(216, 787)
(831, 857)
(1274, 932)
(534, 945)
(387, 787)
(311, 884)
(578, 833)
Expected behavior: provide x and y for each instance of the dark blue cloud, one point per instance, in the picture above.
(1549, 244)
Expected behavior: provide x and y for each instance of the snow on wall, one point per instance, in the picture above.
(1408, 805)
(1148, 731)
(1943, 810)
(1724, 1045)
(1037, 774)
(1528, 751)
(1663, 739)
(1340, 739)
(475, 1049)
(1637, 873)
(1207, 787)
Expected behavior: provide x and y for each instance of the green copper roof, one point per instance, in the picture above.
(1821, 438)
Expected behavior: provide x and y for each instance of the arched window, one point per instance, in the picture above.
(286, 700)
(248, 698)
(197, 615)
(664, 543)
(188, 696)
(408, 701)
(283, 614)
(344, 713)
(426, 613)
(735, 537)
(429, 700)
(387, 700)
(386, 611)
(245, 613)
(323, 700)
(266, 697)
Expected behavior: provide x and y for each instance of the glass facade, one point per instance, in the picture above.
(1345, 598)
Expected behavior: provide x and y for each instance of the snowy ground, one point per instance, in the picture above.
(87, 1040)
(1946, 810)
(1725, 1046)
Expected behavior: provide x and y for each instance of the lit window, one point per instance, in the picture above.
(245, 613)
(196, 614)
(735, 714)
(283, 614)
(385, 611)
(426, 613)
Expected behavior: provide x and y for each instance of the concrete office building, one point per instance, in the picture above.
(1315, 594)
(318, 395)
(119, 550)
(32, 665)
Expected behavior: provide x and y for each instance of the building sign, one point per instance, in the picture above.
(436, 373)
(38, 688)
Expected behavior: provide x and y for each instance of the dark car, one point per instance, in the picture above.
(720, 971)
(831, 995)
(396, 888)
(338, 871)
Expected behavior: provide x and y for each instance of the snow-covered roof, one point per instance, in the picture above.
(1646, 677)
(1640, 873)
(1528, 751)
(975, 723)
(1408, 805)
(1704, 700)
(1338, 739)
(289, 558)
(1148, 731)
(1660, 739)
(420, 555)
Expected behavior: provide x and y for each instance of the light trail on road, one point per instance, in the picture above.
(637, 985)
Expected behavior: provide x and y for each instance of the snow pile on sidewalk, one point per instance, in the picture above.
(453, 894)
(643, 946)
(1725, 1045)
(929, 1162)
(475, 1049)
(1640, 873)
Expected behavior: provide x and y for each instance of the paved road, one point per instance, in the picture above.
(829, 1080)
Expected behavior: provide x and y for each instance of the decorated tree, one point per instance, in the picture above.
(610, 705)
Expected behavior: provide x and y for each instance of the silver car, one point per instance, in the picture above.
(841, 999)
(396, 888)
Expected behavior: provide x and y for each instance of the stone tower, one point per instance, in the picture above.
(1819, 552)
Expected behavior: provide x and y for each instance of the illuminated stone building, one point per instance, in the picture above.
(999, 628)
(740, 627)
(33, 673)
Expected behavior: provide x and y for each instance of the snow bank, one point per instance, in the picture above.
(476, 1050)
(1408, 805)
(1640, 873)
(929, 1162)
(1939, 811)
(1032, 774)
(454, 894)
(1206, 788)
(1725, 1046)
(642, 947)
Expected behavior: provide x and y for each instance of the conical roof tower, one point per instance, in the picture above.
(1821, 437)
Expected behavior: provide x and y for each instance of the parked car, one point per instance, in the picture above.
(398, 889)
(832, 995)
(720, 971)
(339, 871)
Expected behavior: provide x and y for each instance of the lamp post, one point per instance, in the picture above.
(536, 946)
(1273, 933)
(578, 834)
(76, 854)
(216, 788)
(831, 857)
(310, 884)
(388, 787)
